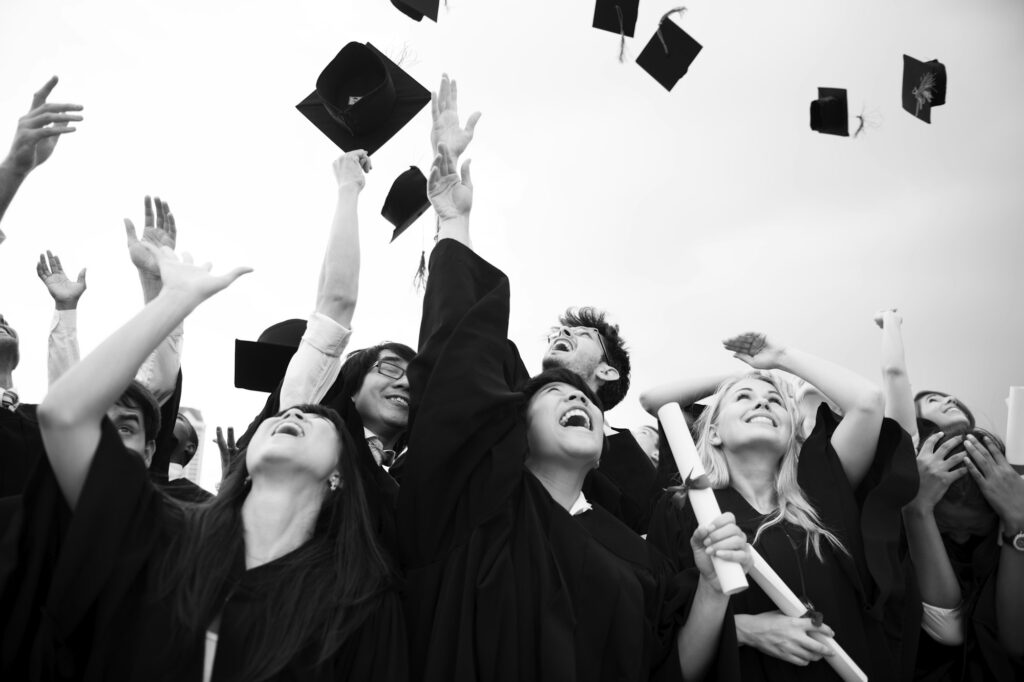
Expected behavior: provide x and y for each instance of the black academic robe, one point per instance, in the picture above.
(81, 603)
(20, 447)
(863, 594)
(501, 582)
(626, 483)
(980, 656)
(184, 490)
(165, 442)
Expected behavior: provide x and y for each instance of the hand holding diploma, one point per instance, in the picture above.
(791, 606)
(731, 578)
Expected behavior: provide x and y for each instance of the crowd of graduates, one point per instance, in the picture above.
(431, 511)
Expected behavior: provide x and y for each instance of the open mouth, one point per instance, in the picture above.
(575, 417)
(762, 419)
(288, 429)
(398, 400)
(563, 345)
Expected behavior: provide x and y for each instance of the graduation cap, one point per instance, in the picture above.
(669, 53)
(406, 201)
(617, 16)
(417, 9)
(260, 365)
(362, 99)
(829, 112)
(924, 87)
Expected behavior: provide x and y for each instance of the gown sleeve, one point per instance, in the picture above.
(463, 403)
(868, 517)
(75, 572)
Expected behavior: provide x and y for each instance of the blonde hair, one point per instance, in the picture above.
(794, 507)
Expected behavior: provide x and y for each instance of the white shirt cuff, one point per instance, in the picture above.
(326, 335)
(945, 626)
(65, 318)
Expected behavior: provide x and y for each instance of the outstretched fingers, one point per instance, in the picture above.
(40, 96)
(42, 269)
(471, 123)
(55, 265)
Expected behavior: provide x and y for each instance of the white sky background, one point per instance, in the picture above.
(689, 215)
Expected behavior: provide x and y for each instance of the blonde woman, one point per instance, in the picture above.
(814, 508)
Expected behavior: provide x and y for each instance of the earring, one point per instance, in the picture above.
(334, 481)
(247, 481)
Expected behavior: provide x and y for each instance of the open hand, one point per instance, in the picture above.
(723, 539)
(782, 636)
(350, 169)
(936, 471)
(65, 292)
(444, 107)
(40, 129)
(159, 232)
(450, 195)
(1002, 486)
(755, 349)
(181, 276)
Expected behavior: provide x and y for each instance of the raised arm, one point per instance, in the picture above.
(316, 363)
(338, 287)
(37, 135)
(856, 438)
(899, 397)
(683, 391)
(444, 108)
(451, 196)
(62, 350)
(71, 413)
(159, 372)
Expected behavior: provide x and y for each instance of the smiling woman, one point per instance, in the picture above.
(279, 576)
(802, 503)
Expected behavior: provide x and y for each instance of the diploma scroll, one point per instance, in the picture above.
(765, 576)
(705, 506)
(1015, 426)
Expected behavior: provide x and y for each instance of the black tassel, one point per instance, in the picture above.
(419, 281)
(622, 35)
(664, 18)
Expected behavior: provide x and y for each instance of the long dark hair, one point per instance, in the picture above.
(326, 588)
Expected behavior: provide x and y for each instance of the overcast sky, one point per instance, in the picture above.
(689, 215)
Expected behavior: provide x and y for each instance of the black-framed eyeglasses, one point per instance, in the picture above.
(589, 332)
(389, 369)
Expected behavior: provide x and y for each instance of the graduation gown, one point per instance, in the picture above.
(81, 602)
(866, 596)
(980, 656)
(501, 582)
(184, 490)
(21, 446)
(626, 483)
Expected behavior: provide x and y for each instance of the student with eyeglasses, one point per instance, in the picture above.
(369, 389)
(587, 344)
